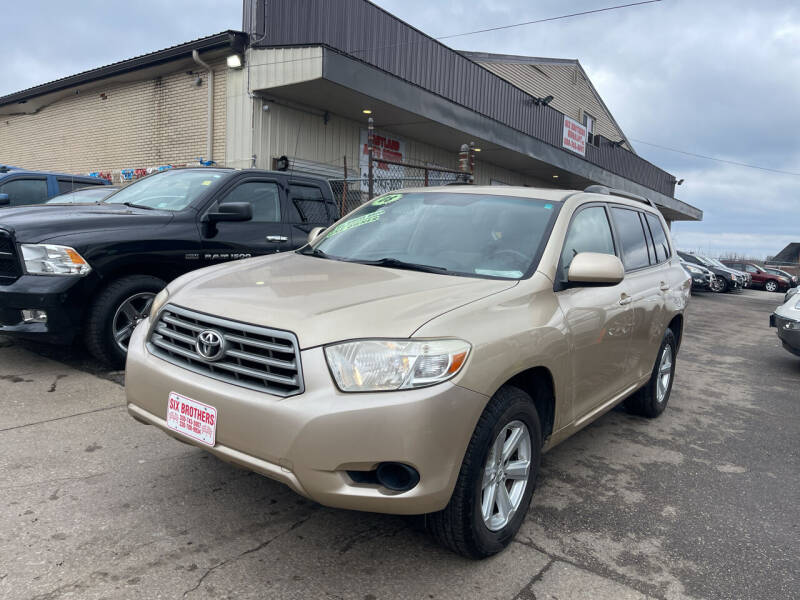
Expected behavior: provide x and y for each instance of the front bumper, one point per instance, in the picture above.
(788, 331)
(64, 300)
(310, 441)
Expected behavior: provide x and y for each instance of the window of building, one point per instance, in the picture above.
(588, 121)
(631, 237)
(588, 232)
(25, 191)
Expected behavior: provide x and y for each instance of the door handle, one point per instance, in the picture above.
(277, 238)
(625, 299)
(664, 287)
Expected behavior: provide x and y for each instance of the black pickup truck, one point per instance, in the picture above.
(92, 270)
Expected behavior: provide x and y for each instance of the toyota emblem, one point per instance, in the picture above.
(210, 345)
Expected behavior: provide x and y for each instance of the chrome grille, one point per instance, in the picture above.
(259, 358)
(9, 261)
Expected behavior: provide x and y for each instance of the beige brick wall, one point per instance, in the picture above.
(137, 125)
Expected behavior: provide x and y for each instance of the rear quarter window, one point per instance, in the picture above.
(660, 239)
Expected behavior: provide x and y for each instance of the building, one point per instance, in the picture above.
(300, 80)
(789, 255)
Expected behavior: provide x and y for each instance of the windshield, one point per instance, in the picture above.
(714, 261)
(460, 234)
(90, 194)
(169, 190)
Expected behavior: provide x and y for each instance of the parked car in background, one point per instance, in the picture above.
(761, 277)
(727, 280)
(92, 271)
(19, 187)
(786, 320)
(419, 355)
(790, 292)
(92, 193)
(702, 278)
(793, 279)
(747, 280)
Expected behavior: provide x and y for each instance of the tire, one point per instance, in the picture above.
(108, 312)
(651, 400)
(771, 285)
(724, 286)
(461, 526)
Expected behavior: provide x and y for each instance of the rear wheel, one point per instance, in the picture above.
(115, 313)
(651, 400)
(771, 286)
(496, 480)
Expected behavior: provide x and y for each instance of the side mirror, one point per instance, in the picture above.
(231, 211)
(315, 233)
(4, 200)
(595, 268)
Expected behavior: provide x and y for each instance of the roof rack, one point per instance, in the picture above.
(602, 189)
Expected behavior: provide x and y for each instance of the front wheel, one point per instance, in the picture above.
(115, 313)
(496, 480)
(723, 285)
(771, 286)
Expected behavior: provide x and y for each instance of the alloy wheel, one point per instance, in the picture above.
(505, 475)
(664, 374)
(128, 315)
(771, 286)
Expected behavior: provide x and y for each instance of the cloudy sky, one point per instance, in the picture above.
(719, 78)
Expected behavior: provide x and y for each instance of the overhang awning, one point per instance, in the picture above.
(329, 81)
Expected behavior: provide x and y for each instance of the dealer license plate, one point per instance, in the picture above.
(192, 418)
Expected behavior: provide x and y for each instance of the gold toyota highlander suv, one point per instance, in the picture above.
(419, 355)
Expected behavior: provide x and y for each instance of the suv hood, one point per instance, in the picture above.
(323, 301)
(34, 224)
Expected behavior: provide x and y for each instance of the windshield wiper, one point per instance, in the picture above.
(309, 251)
(132, 205)
(395, 263)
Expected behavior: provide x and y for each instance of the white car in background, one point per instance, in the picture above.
(786, 319)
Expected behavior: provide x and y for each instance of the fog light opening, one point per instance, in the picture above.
(34, 315)
(397, 476)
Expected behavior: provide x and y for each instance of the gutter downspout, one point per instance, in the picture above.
(210, 136)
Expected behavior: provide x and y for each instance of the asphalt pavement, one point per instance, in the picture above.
(700, 503)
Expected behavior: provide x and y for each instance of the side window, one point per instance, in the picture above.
(659, 237)
(631, 237)
(264, 196)
(307, 204)
(588, 232)
(750, 269)
(651, 250)
(25, 191)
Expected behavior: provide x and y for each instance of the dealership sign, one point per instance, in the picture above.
(385, 148)
(574, 136)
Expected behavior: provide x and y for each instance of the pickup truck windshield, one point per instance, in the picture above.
(458, 234)
(170, 190)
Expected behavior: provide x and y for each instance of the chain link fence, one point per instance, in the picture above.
(387, 177)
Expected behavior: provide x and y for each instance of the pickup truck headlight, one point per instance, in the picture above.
(49, 259)
(385, 365)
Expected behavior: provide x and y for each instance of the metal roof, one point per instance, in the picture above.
(235, 39)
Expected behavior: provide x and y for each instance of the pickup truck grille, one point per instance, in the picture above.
(9, 261)
(258, 358)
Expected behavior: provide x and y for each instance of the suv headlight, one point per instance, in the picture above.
(384, 365)
(159, 301)
(49, 259)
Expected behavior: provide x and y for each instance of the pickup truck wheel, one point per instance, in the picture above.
(771, 286)
(115, 313)
(651, 400)
(496, 480)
